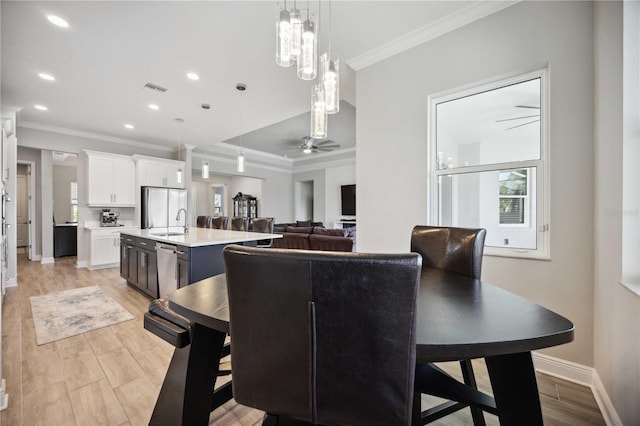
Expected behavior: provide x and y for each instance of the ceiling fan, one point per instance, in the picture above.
(309, 145)
(536, 117)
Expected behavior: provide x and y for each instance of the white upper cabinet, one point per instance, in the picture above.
(110, 180)
(159, 172)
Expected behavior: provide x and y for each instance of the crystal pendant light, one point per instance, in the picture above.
(330, 72)
(240, 167)
(318, 113)
(308, 58)
(330, 66)
(283, 38)
(295, 23)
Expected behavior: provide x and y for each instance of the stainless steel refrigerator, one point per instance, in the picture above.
(160, 207)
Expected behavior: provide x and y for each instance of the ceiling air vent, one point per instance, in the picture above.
(154, 87)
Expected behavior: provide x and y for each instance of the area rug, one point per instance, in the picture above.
(72, 312)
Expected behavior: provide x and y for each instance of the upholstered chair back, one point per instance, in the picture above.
(323, 337)
(219, 222)
(454, 249)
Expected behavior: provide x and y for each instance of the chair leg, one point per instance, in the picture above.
(470, 379)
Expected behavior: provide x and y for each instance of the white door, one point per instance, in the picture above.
(22, 210)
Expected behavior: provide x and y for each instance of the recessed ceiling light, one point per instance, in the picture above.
(45, 76)
(154, 107)
(41, 107)
(129, 126)
(56, 20)
(193, 76)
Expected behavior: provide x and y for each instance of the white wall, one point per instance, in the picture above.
(617, 310)
(318, 177)
(392, 119)
(335, 177)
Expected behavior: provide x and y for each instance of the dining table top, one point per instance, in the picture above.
(458, 317)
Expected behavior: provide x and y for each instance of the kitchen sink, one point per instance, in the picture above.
(167, 234)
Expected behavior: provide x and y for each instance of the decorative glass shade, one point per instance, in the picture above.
(205, 169)
(318, 113)
(240, 167)
(283, 39)
(296, 33)
(179, 175)
(330, 71)
(308, 58)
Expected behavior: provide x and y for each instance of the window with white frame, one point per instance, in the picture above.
(488, 150)
(74, 201)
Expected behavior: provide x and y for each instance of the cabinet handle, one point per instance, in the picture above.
(179, 252)
(143, 257)
(177, 273)
(115, 198)
(142, 243)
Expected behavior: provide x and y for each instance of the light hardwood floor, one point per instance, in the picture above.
(112, 376)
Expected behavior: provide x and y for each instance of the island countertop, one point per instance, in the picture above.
(197, 237)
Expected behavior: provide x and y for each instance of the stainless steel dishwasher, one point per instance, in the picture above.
(167, 268)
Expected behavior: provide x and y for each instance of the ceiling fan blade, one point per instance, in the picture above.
(517, 118)
(523, 124)
(324, 149)
(528, 106)
(324, 142)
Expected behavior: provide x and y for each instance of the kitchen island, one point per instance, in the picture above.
(160, 260)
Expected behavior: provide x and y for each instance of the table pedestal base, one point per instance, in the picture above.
(515, 389)
(186, 396)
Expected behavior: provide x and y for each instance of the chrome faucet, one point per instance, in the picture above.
(186, 229)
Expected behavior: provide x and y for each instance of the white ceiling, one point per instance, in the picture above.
(111, 49)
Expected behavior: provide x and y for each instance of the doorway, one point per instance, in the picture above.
(304, 200)
(25, 208)
(219, 197)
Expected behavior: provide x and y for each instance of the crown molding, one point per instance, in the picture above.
(90, 135)
(460, 18)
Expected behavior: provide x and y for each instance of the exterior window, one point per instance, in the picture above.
(513, 199)
(74, 201)
(488, 149)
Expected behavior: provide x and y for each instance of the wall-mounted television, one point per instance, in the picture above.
(348, 198)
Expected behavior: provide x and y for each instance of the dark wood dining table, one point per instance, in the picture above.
(458, 317)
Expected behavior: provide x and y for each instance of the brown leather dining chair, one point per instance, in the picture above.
(265, 226)
(203, 221)
(219, 222)
(323, 338)
(458, 250)
(239, 223)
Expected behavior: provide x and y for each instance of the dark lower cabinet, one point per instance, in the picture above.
(139, 263)
(65, 240)
(148, 272)
(128, 259)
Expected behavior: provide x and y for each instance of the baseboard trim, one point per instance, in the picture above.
(47, 260)
(582, 375)
(81, 264)
(36, 258)
(604, 403)
(563, 369)
(11, 282)
(103, 266)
